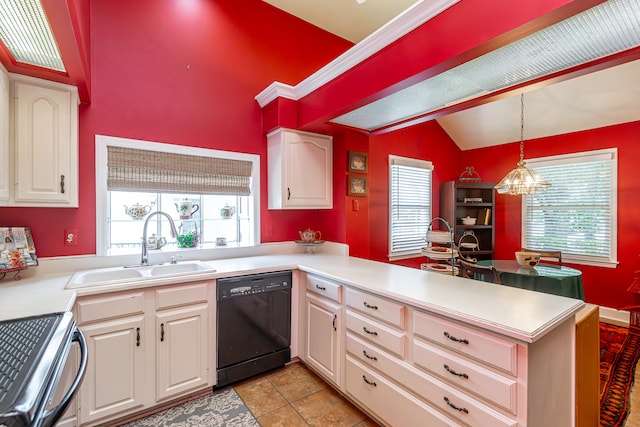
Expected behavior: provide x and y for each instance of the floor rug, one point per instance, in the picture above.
(220, 408)
(619, 352)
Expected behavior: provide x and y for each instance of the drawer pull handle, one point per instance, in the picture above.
(374, 333)
(371, 383)
(452, 338)
(452, 372)
(372, 307)
(288, 193)
(465, 410)
(62, 184)
(137, 337)
(375, 359)
(322, 288)
(161, 332)
(335, 318)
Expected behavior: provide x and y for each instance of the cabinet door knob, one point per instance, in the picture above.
(62, 184)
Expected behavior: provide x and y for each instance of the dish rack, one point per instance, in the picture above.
(445, 250)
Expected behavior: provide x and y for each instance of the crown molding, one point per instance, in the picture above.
(398, 27)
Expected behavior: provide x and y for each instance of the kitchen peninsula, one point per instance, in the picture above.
(511, 343)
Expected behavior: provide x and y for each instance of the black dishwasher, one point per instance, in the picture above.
(253, 325)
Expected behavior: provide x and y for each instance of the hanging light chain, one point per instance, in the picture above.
(522, 127)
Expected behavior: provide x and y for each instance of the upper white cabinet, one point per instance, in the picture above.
(4, 136)
(300, 170)
(43, 144)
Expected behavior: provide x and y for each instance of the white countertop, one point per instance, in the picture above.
(520, 314)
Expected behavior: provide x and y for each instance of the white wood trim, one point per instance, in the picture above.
(615, 317)
(398, 27)
(102, 141)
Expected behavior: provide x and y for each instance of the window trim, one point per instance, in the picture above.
(101, 143)
(411, 162)
(603, 154)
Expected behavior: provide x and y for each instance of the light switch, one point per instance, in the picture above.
(355, 205)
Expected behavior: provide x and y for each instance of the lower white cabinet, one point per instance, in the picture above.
(114, 380)
(182, 336)
(145, 347)
(389, 401)
(401, 364)
(322, 349)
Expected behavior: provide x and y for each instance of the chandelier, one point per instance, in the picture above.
(521, 180)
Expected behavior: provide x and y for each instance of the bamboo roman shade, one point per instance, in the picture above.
(130, 169)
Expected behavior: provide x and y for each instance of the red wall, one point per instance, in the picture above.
(602, 286)
(427, 141)
(182, 72)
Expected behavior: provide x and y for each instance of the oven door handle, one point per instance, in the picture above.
(51, 416)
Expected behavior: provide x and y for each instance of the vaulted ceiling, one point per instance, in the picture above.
(607, 96)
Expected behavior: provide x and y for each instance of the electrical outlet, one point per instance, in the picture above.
(71, 237)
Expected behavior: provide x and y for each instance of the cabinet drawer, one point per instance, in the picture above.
(387, 400)
(377, 307)
(377, 333)
(181, 295)
(324, 287)
(91, 309)
(487, 348)
(437, 393)
(495, 388)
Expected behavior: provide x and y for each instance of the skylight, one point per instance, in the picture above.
(25, 31)
(609, 28)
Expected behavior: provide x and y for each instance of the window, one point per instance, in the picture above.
(135, 178)
(409, 205)
(577, 214)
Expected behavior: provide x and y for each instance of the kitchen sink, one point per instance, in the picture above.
(183, 267)
(116, 275)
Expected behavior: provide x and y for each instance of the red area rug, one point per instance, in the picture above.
(619, 350)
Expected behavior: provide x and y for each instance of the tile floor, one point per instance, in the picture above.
(295, 396)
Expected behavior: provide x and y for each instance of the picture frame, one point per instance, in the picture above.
(358, 162)
(357, 185)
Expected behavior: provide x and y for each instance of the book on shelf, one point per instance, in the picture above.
(484, 216)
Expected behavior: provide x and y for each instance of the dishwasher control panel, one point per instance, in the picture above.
(253, 284)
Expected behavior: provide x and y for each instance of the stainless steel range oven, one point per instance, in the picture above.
(254, 325)
(33, 354)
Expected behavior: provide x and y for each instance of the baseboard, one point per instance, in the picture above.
(614, 317)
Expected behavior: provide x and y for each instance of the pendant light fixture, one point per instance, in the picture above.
(521, 180)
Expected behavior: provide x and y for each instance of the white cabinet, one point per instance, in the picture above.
(436, 369)
(182, 335)
(324, 331)
(43, 159)
(4, 136)
(145, 348)
(114, 329)
(300, 172)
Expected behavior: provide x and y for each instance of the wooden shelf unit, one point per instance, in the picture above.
(453, 207)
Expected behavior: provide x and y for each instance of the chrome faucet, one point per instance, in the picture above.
(144, 260)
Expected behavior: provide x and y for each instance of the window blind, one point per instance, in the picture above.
(576, 215)
(410, 204)
(130, 169)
